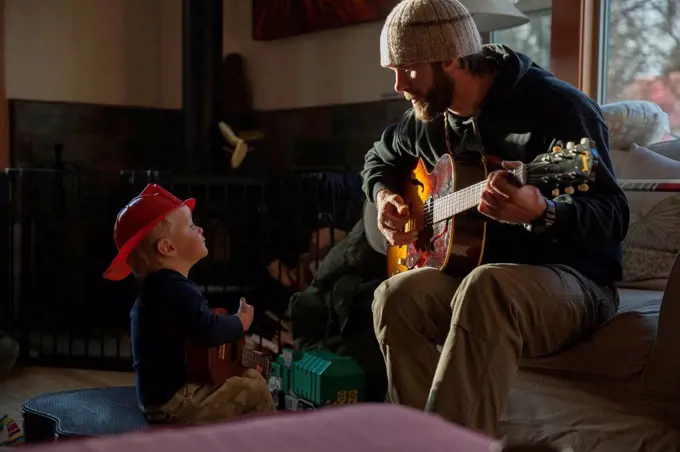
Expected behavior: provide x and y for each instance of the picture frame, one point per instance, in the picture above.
(277, 19)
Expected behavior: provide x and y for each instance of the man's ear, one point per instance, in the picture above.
(447, 64)
(164, 247)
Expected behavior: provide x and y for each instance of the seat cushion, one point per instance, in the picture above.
(620, 348)
(82, 412)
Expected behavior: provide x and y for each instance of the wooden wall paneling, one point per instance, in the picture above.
(597, 49)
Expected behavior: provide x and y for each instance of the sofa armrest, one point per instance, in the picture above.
(662, 374)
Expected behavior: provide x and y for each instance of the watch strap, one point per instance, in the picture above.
(545, 221)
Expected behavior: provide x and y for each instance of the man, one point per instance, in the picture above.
(453, 346)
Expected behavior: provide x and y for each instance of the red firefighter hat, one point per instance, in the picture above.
(136, 220)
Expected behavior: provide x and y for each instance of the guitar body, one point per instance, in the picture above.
(214, 365)
(455, 245)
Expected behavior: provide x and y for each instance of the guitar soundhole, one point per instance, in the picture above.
(424, 241)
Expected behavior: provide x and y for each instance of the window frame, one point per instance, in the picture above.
(578, 45)
(532, 9)
(576, 40)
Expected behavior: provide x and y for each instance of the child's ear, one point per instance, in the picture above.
(164, 247)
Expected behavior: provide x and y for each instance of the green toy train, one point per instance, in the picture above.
(313, 379)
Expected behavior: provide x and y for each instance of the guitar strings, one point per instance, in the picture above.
(467, 197)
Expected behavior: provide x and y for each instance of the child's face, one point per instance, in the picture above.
(187, 239)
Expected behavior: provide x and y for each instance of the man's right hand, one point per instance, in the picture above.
(245, 313)
(393, 214)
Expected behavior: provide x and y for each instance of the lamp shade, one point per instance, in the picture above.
(495, 15)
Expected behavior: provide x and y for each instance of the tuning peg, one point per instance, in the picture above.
(571, 145)
(569, 190)
(556, 192)
(585, 140)
(583, 187)
(556, 149)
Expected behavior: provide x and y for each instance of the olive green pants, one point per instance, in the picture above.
(453, 347)
(196, 404)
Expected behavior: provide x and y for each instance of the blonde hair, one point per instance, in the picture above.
(144, 258)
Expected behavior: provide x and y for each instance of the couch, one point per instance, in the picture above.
(619, 390)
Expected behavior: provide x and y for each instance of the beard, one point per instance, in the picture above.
(437, 99)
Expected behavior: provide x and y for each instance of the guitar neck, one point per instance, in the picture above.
(454, 203)
(650, 185)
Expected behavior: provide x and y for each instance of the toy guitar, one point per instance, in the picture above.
(451, 234)
(215, 365)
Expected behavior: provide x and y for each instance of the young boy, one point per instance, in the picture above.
(158, 242)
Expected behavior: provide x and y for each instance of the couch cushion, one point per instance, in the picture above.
(653, 238)
(617, 350)
(669, 149)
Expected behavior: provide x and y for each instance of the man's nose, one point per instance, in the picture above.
(401, 82)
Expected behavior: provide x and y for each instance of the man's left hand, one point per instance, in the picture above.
(504, 201)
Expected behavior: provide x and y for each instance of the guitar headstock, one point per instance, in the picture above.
(563, 168)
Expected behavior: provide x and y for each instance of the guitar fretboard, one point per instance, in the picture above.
(454, 203)
(253, 359)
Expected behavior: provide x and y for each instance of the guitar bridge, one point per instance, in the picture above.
(419, 251)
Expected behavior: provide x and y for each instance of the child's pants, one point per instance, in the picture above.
(207, 403)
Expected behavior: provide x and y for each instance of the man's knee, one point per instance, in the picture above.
(484, 293)
(489, 278)
(400, 294)
(408, 295)
(385, 295)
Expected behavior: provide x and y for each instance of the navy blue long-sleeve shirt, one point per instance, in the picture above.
(170, 308)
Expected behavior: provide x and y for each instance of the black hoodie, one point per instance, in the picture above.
(526, 111)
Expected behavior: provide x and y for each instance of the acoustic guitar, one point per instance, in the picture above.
(442, 206)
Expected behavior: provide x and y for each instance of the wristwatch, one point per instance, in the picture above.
(545, 221)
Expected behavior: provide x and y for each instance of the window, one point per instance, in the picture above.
(533, 38)
(642, 54)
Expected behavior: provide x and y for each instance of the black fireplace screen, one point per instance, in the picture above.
(265, 237)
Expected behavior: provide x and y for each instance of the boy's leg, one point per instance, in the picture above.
(235, 397)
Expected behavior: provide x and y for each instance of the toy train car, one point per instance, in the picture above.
(313, 379)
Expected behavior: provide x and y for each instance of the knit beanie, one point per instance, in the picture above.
(426, 31)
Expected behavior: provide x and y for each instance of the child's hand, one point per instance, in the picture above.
(245, 313)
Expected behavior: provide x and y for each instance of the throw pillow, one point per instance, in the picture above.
(653, 238)
(634, 121)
